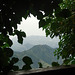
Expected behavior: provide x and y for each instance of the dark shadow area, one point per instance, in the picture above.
(48, 71)
(28, 61)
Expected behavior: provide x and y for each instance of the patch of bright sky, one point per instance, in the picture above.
(31, 26)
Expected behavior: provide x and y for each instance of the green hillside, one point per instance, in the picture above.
(42, 53)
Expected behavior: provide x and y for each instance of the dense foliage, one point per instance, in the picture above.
(28, 61)
(58, 20)
(67, 32)
(62, 24)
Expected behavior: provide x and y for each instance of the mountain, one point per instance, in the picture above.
(38, 53)
(31, 41)
(19, 48)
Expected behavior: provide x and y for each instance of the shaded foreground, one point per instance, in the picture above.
(47, 71)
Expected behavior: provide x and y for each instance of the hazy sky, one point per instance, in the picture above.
(31, 26)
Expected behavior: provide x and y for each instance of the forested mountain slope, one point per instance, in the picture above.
(38, 53)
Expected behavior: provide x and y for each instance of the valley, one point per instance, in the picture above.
(38, 53)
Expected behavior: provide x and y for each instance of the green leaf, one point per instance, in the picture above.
(20, 39)
(14, 60)
(9, 52)
(73, 62)
(55, 64)
(42, 23)
(20, 35)
(1, 43)
(26, 67)
(23, 34)
(10, 42)
(65, 13)
(66, 61)
(47, 32)
(27, 60)
(39, 15)
(15, 68)
(40, 65)
(7, 41)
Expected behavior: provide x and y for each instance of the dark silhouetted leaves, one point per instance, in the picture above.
(66, 61)
(42, 23)
(65, 13)
(39, 15)
(15, 68)
(73, 62)
(28, 61)
(26, 67)
(14, 60)
(20, 35)
(47, 32)
(55, 64)
(40, 65)
(8, 41)
(1, 43)
(9, 52)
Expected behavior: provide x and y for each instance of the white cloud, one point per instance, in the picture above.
(31, 26)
